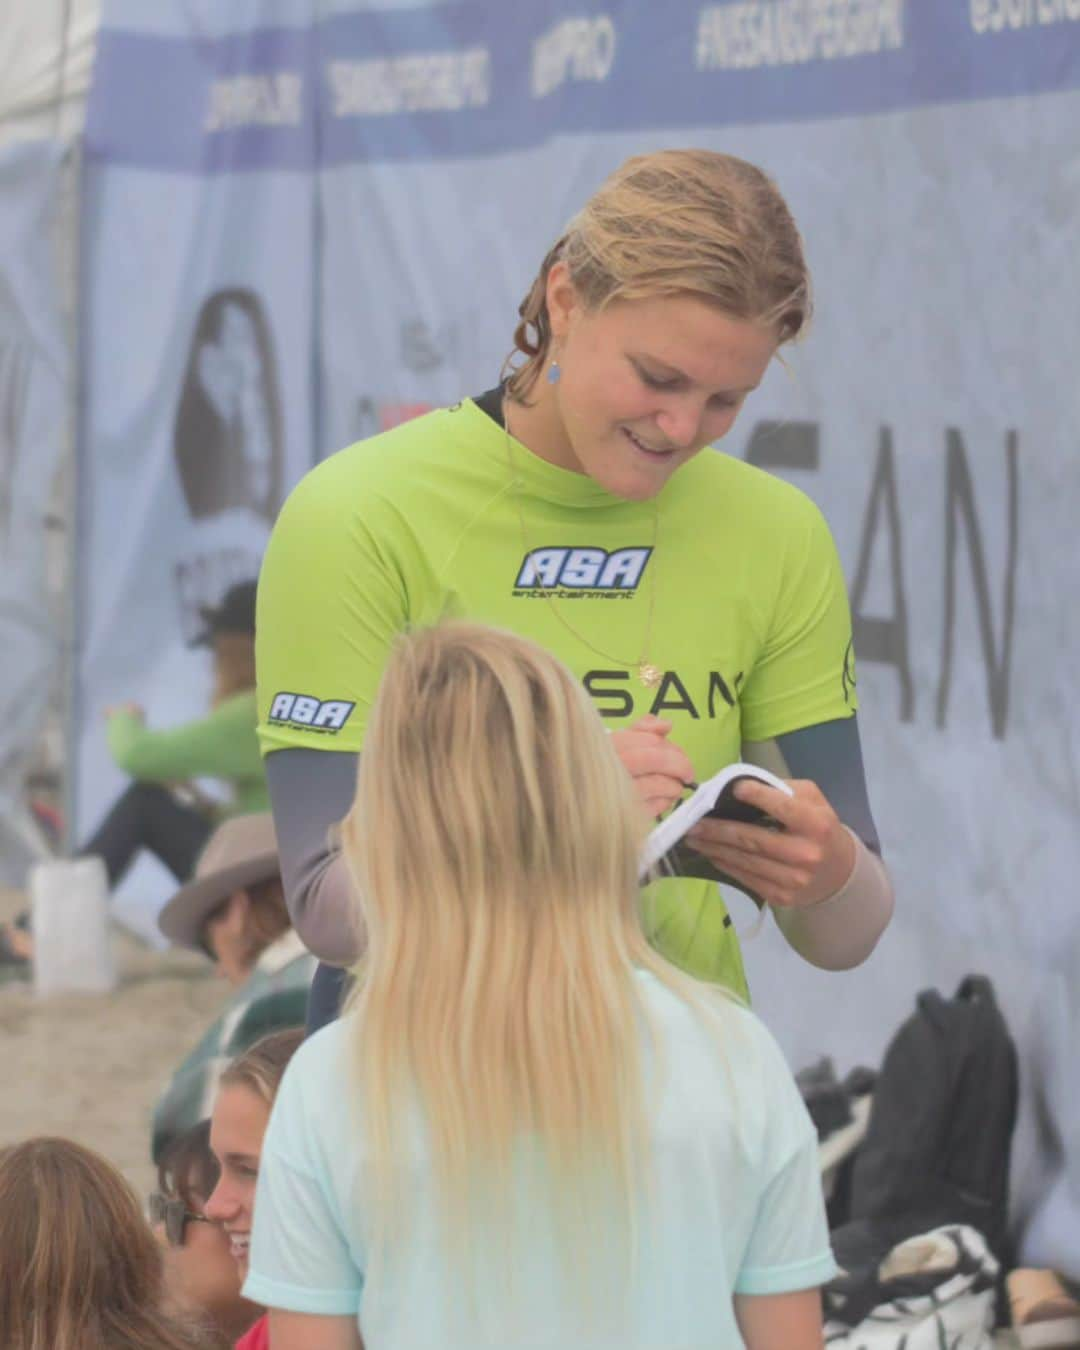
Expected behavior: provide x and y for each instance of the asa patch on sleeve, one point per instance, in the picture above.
(310, 714)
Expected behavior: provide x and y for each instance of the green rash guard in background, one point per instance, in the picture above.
(223, 745)
(750, 621)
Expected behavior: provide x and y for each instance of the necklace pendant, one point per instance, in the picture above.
(649, 674)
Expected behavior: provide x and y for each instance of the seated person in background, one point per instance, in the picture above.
(163, 809)
(200, 1273)
(246, 1093)
(234, 912)
(529, 1128)
(79, 1267)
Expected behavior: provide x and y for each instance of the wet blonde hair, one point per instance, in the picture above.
(79, 1267)
(676, 222)
(494, 839)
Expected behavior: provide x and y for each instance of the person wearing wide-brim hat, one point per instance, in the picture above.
(162, 809)
(233, 911)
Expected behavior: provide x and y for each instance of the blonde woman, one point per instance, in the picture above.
(698, 599)
(245, 1095)
(529, 1130)
(79, 1266)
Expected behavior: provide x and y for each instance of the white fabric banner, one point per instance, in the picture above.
(931, 412)
(198, 334)
(34, 423)
(929, 154)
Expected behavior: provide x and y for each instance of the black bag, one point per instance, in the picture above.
(940, 1134)
(937, 1147)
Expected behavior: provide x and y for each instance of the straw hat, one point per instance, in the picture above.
(241, 852)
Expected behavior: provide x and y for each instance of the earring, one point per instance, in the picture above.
(554, 373)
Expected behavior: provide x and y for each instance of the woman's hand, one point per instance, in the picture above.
(809, 860)
(661, 770)
(135, 710)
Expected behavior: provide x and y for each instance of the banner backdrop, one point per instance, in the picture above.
(929, 153)
(34, 403)
(198, 321)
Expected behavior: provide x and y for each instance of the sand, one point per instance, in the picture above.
(90, 1067)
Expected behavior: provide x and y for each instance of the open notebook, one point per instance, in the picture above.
(715, 797)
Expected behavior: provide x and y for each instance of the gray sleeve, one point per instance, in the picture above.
(830, 755)
(841, 931)
(310, 792)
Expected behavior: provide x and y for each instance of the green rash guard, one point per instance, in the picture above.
(220, 745)
(447, 516)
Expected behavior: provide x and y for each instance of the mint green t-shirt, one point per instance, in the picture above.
(733, 590)
(728, 1201)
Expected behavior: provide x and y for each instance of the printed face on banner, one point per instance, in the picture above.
(646, 384)
(228, 433)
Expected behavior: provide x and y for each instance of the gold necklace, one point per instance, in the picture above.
(649, 673)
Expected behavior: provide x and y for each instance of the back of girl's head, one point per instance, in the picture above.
(487, 787)
(677, 222)
(79, 1267)
(494, 842)
(262, 1066)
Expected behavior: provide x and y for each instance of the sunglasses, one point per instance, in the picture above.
(174, 1217)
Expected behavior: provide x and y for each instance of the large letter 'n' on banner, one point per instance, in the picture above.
(876, 639)
(960, 501)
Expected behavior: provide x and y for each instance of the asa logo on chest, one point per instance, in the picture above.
(707, 694)
(582, 571)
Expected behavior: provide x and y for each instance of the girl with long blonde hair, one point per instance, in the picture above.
(528, 1129)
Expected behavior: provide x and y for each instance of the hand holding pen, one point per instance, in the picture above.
(661, 770)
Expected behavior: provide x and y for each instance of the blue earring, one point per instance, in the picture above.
(554, 373)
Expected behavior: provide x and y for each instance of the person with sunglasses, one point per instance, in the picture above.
(200, 1272)
(245, 1096)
